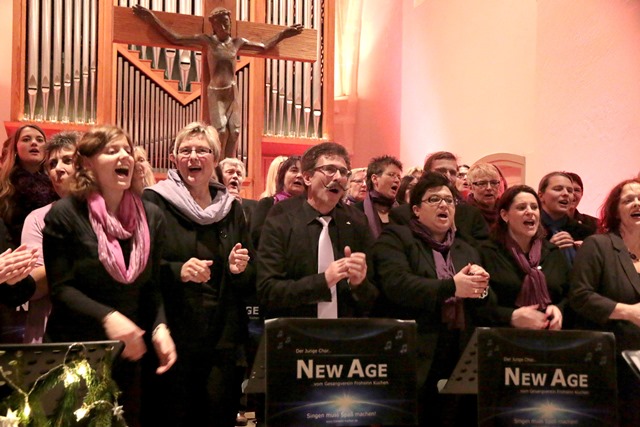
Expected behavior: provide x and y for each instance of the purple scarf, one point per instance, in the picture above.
(453, 307)
(534, 286)
(375, 223)
(130, 221)
(278, 197)
(490, 214)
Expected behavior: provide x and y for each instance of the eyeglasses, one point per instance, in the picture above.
(357, 181)
(393, 175)
(436, 200)
(494, 183)
(200, 151)
(330, 170)
(445, 171)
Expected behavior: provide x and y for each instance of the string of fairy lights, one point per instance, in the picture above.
(98, 405)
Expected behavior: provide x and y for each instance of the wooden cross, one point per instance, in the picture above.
(129, 29)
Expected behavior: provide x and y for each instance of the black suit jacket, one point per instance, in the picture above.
(470, 224)
(603, 275)
(288, 282)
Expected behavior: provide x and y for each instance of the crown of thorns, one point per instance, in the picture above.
(219, 12)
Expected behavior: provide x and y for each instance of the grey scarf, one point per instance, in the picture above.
(174, 191)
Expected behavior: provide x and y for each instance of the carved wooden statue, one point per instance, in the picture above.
(221, 51)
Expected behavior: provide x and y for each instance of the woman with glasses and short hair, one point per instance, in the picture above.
(356, 187)
(485, 190)
(428, 274)
(207, 275)
(529, 275)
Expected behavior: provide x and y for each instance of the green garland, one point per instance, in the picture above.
(89, 397)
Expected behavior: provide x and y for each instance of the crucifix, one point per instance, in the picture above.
(140, 26)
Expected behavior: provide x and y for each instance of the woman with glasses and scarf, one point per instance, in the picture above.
(207, 276)
(428, 274)
(529, 275)
(485, 190)
(102, 252)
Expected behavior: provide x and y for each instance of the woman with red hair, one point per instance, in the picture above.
(605, 285)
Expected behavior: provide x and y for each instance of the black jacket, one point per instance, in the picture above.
(603, 275)
(507, 276)
(289, 284)
(82, 291)
(212, 312)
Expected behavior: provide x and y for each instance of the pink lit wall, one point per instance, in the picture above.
(378, 118)
(556, 81)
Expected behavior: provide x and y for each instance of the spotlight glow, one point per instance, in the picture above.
(549, 410)
(344, 403)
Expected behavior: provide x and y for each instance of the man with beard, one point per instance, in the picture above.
(231, 172)
(384, 174)
(295, 278)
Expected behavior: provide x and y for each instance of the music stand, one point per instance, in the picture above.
(24, 364)
(464, 378)
(632, 357)
(257, 382)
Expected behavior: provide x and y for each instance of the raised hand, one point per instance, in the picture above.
(238, 259)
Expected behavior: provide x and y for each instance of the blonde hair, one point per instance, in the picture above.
(415, 169)
(272, 175)
(91, 143)
(199, 128)
(482, 169)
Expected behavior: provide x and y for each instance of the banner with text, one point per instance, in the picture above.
(561, 378)
(340, 372)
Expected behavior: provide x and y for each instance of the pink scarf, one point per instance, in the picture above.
(131, 220)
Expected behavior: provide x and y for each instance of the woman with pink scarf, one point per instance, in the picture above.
(102, 251)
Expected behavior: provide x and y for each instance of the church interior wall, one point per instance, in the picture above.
(555, 81)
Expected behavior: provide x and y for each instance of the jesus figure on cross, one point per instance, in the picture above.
(221, 50)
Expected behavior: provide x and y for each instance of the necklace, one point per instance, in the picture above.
(634, 257)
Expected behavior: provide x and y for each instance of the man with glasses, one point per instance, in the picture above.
(312, 258)
(384, 174)
(469, 223)
(462, 184)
